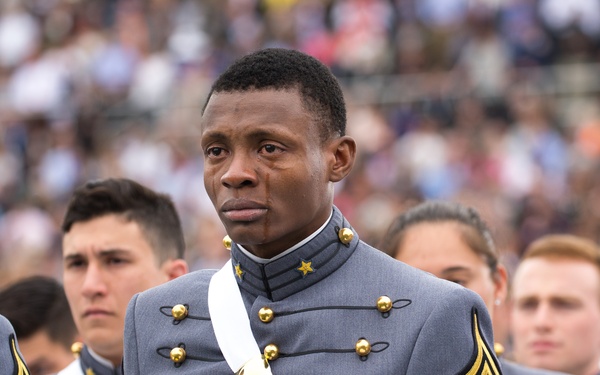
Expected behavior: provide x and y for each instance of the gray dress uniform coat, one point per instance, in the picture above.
(11, 360)
(324, 299)
(511, 368)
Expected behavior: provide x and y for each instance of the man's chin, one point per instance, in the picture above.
(103, 339)
(544, 362)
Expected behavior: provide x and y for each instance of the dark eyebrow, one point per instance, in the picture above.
(214, 135)
(455, 269)
(112, 252)
(528, 298)
(101, 253)
(254, 134)
(73, 256)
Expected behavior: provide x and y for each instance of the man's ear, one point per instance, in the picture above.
(174, 268)
(344, 152)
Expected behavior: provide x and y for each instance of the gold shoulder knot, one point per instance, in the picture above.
(484, 362)
(19, 363)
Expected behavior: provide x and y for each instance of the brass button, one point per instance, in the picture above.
(177, 355)
(179, 312)
(271, 352)
(227, 242)
(76, 348)
(384, 304)
(266, 314)
(498, 349)
(345, 235)
(363, 347)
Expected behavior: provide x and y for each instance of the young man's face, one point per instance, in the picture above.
(556, 315)
(106, 261)
(266, 169)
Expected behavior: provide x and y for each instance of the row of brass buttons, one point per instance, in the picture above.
(271, 351)
(266, 314)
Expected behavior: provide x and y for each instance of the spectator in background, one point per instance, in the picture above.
(452, 242)
(556, 305)
(79, 79)
(120, 238)
(38, 309)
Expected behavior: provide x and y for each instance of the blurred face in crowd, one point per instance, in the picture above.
(439, 248)
(106, 261)
(44, 356)
(266, 169)
(556, 315)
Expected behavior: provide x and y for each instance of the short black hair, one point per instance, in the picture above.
(154, 212)
(39, 303)
(477, 234)
(286, 69)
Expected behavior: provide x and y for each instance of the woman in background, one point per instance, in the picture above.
(452, 242)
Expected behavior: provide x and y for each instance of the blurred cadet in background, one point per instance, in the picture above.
(120, 238)
(556, 305)
(453, 242)
(39, 311)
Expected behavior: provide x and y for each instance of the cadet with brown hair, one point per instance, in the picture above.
(556, 305)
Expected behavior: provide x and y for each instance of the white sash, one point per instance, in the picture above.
(230, 320)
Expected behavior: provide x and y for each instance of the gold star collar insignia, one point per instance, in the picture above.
(238, 271)
(306, 268)
(89, 371)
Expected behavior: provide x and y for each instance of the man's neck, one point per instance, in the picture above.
(258, 259)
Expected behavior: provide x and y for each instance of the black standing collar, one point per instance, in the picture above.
(91, 366)
(298, 270)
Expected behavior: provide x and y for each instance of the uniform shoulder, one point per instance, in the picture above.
(189, 283)
(11, 361)
(512, 368)
(404, 274)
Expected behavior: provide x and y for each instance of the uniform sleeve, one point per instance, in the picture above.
(130, 346)
(11, 360)
(456, 338)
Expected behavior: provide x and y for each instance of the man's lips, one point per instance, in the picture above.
(542, 345)
(95, 312)
(242, 210)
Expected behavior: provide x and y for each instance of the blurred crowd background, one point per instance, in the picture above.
(493, 103)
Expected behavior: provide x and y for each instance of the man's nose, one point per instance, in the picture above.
(543, 316)
(94, 282)
(240, 172)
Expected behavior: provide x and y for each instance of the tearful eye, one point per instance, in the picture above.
(214, 151)
(270, 148)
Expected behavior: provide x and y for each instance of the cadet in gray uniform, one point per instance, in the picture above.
(11, 360)
(119, 238)
(301, 294)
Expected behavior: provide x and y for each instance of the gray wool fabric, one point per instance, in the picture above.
(11, 360)
(434, 327)
(511, 368)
